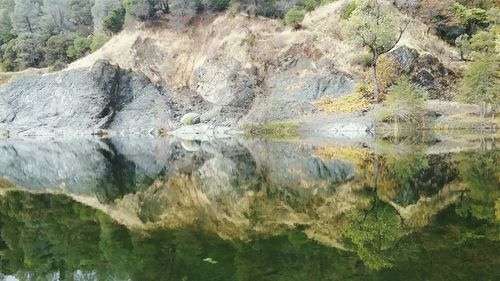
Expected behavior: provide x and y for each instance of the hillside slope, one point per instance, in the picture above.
(237, 70)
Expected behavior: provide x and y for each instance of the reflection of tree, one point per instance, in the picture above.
(39, 234)
(374, 234)
(396, 177)
(480, 172)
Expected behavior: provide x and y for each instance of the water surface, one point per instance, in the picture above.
(239, 209)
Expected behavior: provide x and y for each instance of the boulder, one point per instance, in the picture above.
(190, 119)
(426, 70)
(104, 98)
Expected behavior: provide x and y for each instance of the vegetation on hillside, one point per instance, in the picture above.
(53, 33)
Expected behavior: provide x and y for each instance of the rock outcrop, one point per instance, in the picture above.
(426, 70)
(81, 101)
(294, 81)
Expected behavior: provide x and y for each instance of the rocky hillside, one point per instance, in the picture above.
(229, 70)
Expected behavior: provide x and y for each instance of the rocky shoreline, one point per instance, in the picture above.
(219, 101)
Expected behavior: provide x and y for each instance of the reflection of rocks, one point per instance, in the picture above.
(291, 165)
(237, 189)
(64, 166)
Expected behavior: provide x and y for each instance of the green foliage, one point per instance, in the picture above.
(481, 175)
(294, 17)
(374, 234)
(8, 61)
(266, 8)
(5, 26)
(28, 49)
(55, 49)
(375, 26)
(404, 103)
(141, 9)
(114, 20)
(310, 5)
(470, 18)
(79, 48)
(463, 44)
(324, 2)
(98, 41)
(484, 42)
(481, 83)
(220, 5)
(348, 9)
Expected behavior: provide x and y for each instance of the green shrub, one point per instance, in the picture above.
(219, 5)
(463, 44)
(8, 59)
(234, 8)
(470, 18)
(324, 2)
(483, 41)
(348, 9)
(58, 65)
(56, 47)
(294, 17)
(98, 41)
(79, 48)
(114, 20)
(481, 83)
(310, 5)
(404, 103)
(267, 9)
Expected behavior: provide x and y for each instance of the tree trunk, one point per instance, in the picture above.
(376, 85)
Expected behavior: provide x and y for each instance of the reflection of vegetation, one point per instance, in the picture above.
(274, 130)
(374, 234)
(480, 172)
(42, 235)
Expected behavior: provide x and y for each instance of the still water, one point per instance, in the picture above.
(162, 209)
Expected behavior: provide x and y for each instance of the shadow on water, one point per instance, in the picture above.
(247, 210)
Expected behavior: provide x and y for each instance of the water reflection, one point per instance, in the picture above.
(160, 209)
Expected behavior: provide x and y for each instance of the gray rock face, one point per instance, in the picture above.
(114, 101)
(229, 89)
(293, 82)
(83, 102)
(425, 70)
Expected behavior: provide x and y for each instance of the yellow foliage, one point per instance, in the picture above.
(352, 154)
(350, 103)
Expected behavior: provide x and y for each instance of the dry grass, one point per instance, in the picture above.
(8, 76)
(349, 103)
(6, 184)
(171, 56)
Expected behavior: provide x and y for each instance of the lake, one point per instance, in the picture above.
(414, 208)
